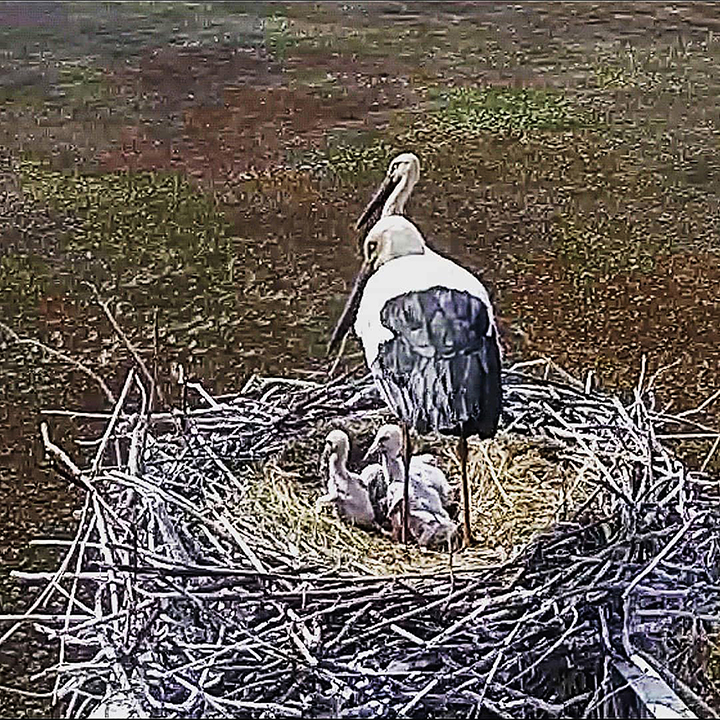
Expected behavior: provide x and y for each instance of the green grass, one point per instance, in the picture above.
(600, 250)
(23, 280)
(468, 111)
(144, 219)
(81, 83)
(151, 236)
(454, 116)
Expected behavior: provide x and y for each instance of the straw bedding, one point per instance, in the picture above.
(203, 582)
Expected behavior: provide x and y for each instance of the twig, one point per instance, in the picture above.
(131, 349)
(61, 356)
(74, 472)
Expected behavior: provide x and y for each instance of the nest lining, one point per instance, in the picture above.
(519, 486)
(202, 582)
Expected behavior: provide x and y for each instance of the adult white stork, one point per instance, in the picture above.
(427, 328)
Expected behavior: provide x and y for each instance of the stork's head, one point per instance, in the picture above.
(337, 443)
(391, 237)
(388, 442)
(402, 174)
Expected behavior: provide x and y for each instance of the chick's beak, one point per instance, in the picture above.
(372, 450)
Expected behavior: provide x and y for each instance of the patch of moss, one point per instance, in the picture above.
(278, 37)
(150, 235)
(32, 95)
(358, 161)
(23, 279)
(82, 83)
(144, 219)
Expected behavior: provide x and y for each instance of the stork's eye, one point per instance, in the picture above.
(372, 247)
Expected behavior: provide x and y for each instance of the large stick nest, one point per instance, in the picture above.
(202, 581)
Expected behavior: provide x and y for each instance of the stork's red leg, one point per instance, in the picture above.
(463, 452)
(407, 454)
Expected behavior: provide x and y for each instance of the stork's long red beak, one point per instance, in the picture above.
(351, 307)
(378, 200)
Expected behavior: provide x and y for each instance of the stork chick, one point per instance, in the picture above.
(423, 471)
(345, 489)
(428, 491)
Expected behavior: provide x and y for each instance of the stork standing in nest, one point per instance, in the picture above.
(427, 328)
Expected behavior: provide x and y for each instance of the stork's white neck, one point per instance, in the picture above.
(394, 469)
(395, 204)
(337, 465)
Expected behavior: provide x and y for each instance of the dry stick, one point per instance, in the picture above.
(418, 697)
(496, 475)
(498, 658)
(24, 693)
(74, 472)
(71, 602)
(604, 471)
(141, 425)
(111, 423)
(663, 553)
(335, 364)
(54, 582)
(351, 621)
(700, 407)
(62, 356)
(269, 647)
(235, 535)
(661, 371)
(107, 554)
(552, 648)
(104, 619)
(205, 395)
(213, 455)
(708, 457)
(131, 349)
(42, 617)
(76, 414)
(627, 644)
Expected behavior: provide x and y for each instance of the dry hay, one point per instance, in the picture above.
(518, 486)
(203, 582)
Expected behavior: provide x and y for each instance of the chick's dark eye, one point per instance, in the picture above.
(372, 247)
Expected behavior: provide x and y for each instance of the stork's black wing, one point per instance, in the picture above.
(441, 371)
